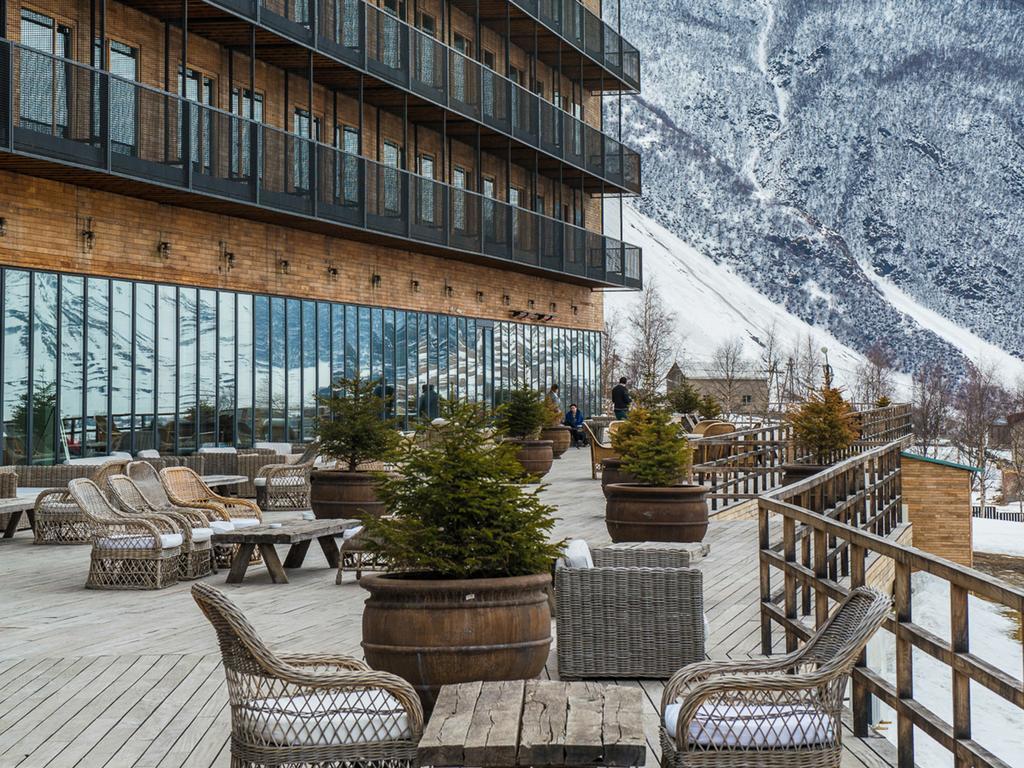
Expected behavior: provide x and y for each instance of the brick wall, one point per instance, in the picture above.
(938, 500)
(45, 218)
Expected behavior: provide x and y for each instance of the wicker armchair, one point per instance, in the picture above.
(137, 552)
(309, 709)
(192, 524)
(635, 613)
(286, 486)
(186, 489)
(58, 519)
(770, 713)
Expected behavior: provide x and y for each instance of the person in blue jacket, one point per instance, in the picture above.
(574, 421)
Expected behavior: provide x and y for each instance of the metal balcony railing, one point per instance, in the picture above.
(62, 110)
(376, 41)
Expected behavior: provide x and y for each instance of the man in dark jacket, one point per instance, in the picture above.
(621, 399)
(574, 421)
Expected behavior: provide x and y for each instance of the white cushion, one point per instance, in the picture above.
(222, 526)
(343, 718)
(259, 482)
(217, 449)
(350, 532)
(284, 449)
(139, 541)
(576, 555)
(201, 534)
(245, 522)
(148, 453)
(754, 726)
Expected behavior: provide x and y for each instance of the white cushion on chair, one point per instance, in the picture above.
(138, 541)
(201, 534)
(754, 726)
(245, 522)
(352, 532)
(148, 453)
(259, 482)
(222, 526)
(576, 555)
(341, 718)
(216, 449)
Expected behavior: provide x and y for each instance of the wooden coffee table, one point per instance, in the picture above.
(298, 533)
(539, 723)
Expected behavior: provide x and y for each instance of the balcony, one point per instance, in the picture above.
(59, 110)
(374, 41)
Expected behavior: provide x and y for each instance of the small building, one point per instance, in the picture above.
(741, 394)
(937, 495)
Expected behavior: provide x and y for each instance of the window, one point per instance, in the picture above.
(425, 199)
(514, 196)
(460, 68)
(198, 87)
(389, 33)
(44, 102)
(122, 61)
(488, 84)
(244, 105)
(459, 198)
(427, 70)
(518, 76)
(346, 182)
(489, 208)
(392, 157)
(303, 152)
(747, 399)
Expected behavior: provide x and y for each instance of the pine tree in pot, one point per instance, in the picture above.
(822, 428)
(659, 505)
(520, 420)
(355, 434)
(554, 430)
(472, 558)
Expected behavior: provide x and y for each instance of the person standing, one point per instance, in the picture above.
(621, 399)
(553, 397)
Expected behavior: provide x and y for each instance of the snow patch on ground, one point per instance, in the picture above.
(1000, 537)
(996, 724)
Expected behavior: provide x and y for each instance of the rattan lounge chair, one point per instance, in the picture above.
(309, 709)
(778, 712)
(192, 524)
(286, 486)
(185, 488)
(58, 519)
(635, 613)
(137, 552)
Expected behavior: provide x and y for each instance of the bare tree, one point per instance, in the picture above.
(977, 403)
(873, 377)
(655, 344)
(773, 366)
(612, 358)
(728, 366)
(932, 399)
(807, 367)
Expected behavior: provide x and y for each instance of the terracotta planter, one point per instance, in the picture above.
(794, 473)
(612, 472)
(560, 437)
(535, 456)
(656, 513)
(434, 632)
(338, 494)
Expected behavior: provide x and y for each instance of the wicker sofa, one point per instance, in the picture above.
(627, 613)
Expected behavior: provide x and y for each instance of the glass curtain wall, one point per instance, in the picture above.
(92, 365)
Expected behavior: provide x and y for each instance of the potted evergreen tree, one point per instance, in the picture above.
(472, 562)
(659, 505)
(554, 430)
(520, 420)
(684, 398)
(822, 427)
(353, 432)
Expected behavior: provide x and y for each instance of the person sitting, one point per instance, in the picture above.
(574, 421)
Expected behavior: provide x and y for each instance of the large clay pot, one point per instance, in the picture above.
(435, 632)
(535, 456)
(612, 472)
(636, 512)
(794, 473)
(337, 494)
(560, 437)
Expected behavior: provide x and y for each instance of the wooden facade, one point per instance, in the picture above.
(938, 499)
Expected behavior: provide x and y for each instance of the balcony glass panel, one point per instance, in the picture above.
(464, 84)
(387, 194)
(387, 46)
(340, 28)
(291, 17)
(429, 204)
(524, 114)
(494, 98)
(429, 57)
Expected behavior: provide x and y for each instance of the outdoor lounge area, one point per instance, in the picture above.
(135, 679)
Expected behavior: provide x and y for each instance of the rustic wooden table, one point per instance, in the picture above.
(538, 723)
(298, 533)
(25, 501)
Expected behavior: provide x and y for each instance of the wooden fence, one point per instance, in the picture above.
(831, 525)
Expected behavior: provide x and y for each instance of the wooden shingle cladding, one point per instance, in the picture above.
(937, 496)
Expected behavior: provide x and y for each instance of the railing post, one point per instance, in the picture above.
(960, 643)
(789, 553)
(860, 701)
(904, 667)
(821, 569)
(765, 579)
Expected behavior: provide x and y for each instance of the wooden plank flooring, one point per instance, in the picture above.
(133, 679)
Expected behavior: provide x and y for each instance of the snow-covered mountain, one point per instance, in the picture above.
(861, 166)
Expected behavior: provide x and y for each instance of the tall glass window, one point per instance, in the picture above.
(144, 338)
(278, 371)
(294, 361)
(97, 366)
(245, 361)
(188, 383)
(121, 365)
(44, 367)
(226, 383)
(309, 368)
(72, 368)
(262, 390)
(167, 369)
(16, 356)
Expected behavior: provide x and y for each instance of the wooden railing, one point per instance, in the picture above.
(832, 526)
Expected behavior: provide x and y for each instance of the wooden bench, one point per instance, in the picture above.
(297, 533)
(538, 723)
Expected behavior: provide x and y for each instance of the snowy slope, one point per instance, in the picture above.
(714, 304)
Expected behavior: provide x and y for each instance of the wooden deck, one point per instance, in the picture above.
(133, 679)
